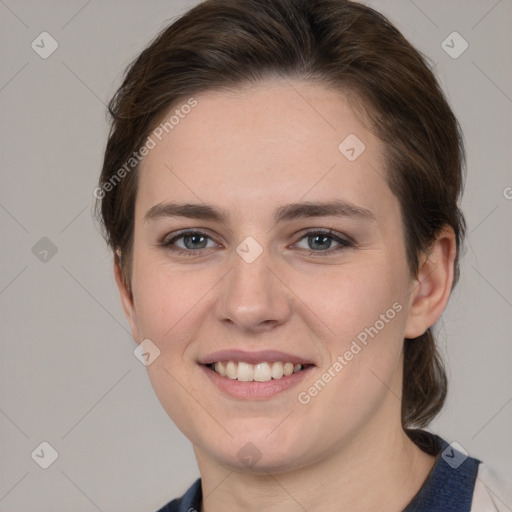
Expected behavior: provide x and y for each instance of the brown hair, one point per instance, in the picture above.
(342, 44)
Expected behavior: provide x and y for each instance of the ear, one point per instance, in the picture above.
(433, 284)
(126, 298)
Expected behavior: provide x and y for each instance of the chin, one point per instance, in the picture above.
(258, 452)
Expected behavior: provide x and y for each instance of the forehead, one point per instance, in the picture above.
(261, 145)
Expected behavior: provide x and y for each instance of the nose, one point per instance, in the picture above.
(254, 297)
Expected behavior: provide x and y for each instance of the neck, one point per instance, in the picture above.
(380, 471)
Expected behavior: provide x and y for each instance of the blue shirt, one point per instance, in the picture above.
(448, 488)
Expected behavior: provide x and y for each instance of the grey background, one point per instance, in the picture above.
(68, 373)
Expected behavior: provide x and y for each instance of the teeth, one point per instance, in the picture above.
(220, 368)
(261, 372)
(288, 369)
(277, 370)
(231, 368)
(245, 372)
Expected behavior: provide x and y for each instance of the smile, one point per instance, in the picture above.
(259, 372)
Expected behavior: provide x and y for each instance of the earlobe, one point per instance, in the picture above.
(126, 298)
(433, 284)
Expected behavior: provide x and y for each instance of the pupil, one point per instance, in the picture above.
(193, 241)
(319, 242)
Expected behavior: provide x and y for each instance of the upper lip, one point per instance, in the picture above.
(253, 357)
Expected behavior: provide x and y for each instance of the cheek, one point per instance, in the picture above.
(164, 297)
(354, 297)
(168, 307)
(364, 309)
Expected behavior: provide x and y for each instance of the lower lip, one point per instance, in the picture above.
(254, 390)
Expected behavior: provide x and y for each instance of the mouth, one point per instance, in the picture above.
(263, 371)
(254, 375)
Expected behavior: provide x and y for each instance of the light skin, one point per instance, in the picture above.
(249, 153)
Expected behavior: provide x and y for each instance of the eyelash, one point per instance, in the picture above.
(344, 243)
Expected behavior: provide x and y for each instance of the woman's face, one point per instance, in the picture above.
(296, 255)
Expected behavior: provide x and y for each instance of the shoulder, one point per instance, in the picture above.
(457, 481)
(492, 492)
(189, 502)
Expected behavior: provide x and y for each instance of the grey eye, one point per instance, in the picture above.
(320, 242)
(193, 241)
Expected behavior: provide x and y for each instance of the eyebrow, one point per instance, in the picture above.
(287, 212)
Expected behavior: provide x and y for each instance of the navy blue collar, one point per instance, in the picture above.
(451, 482)
(448, 488)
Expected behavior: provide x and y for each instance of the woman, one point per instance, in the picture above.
(280, 189)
